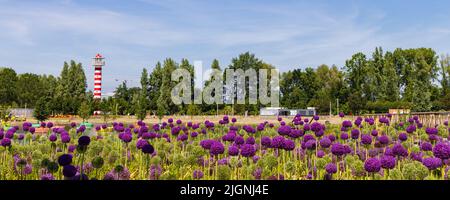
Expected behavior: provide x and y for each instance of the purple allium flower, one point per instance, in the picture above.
(316, 117)
(308, 137)
(206, 144)
(431, 131)
(344, 136)
(338, 149)
(341, 114)
(332, 137)
(402, 137)
(141, 143)
(426, 146)
(217, 148)
(182, 137)
(250, 140)
(198, 174)
(320, 154)
(355, 134)
(306, 127)
(388, 162)
(71, 148)
(288, 145)
(347, 124)
(255, 159)
(310, 144)
(234, 120)
(65, 138)
(411, 128)
(366, 139)
(52, 138)
(47, 177)
(21, 136)
(277, 142)
(374, 133)
(248, 150)
(257, 174)
(372, 165)
(331, 168)
(28, 169)
(239, 140)
(69, 171)
(432, 163)
(442, 151)
(325, 142)
(433, 137)
(266, 141)
(32, 130)
(49, 125)
(316, 127)
(194, 134)
(233, 150)
(416, 156)
(399, 150)
(65, 159)
(84, 140)
(147, 149)
(384, 139)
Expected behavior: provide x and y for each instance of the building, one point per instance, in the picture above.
(279, 111)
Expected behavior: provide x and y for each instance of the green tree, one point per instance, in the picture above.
(41, 109)
(29, 89)
(155, 82)
(8, 79)
(85, 111)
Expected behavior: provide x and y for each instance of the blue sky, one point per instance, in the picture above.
(39, 36)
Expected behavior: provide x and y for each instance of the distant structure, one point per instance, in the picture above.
(279, 111)
(399, 111)
(98, 63)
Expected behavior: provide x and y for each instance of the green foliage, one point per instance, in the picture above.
(42, 109)
(8, 92)
(85, 111)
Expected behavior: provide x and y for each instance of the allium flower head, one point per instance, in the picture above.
(277, 142)
(248, 150)
(403, 137)
(399, 150)
(372, 165)
(52, 138)
(84, 140)
(147, 149)
(388, 162)
(69, 171)
(266, 141)
(217, 148)
(325, 142)
(442, 151)
(331, 168)
(288, 145)
(233, 150)
(338, 149)
(197, 174)
(355, 134)
(366, 139)
(65, 159)
(432, 163)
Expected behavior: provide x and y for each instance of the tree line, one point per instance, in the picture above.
(416, 79)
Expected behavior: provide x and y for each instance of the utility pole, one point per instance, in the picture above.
(337, 106)
(330, 108)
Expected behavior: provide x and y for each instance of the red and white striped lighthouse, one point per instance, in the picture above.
(98, 63)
